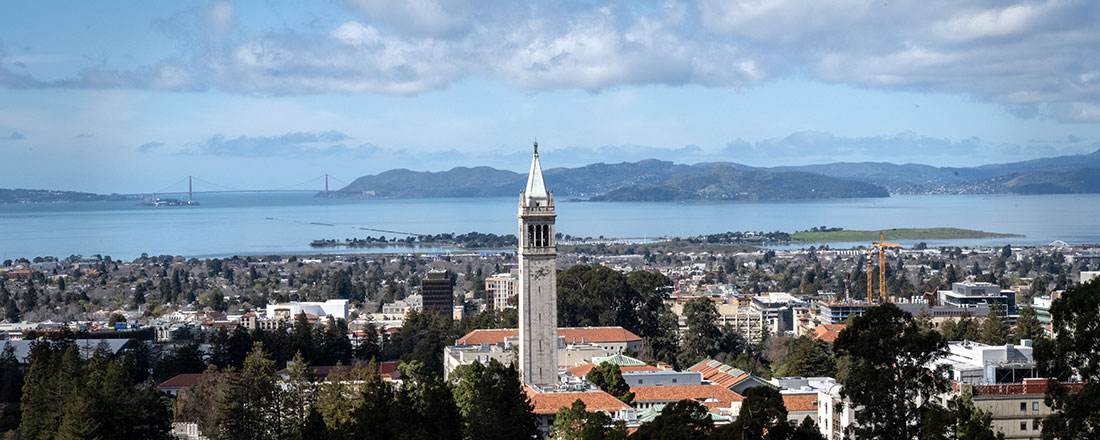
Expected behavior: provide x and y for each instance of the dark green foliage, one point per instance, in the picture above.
(808, 358)
(576, 423)
(609, 378)
(704, 338)
(11, 385)
(65, 396)
(493, 404)
(1028, 325)
(422, 338)
(507, 318)
(601, 296)
(965, 329)
(888, 378)
(682, 420)
(184, 358)
(763, 416)
(970, 422)
(1075, 350)
(994, 331)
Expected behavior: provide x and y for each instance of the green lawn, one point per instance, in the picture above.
(894, 234)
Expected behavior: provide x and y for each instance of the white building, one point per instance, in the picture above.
(974, 363)
(337, 308)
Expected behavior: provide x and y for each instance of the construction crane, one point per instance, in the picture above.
(879, 246)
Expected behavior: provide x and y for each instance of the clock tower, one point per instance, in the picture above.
(538, 300)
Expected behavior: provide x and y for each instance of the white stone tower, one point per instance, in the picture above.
(538, 297)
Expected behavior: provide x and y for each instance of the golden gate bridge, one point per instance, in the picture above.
(186, 185)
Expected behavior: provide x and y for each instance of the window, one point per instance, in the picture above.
(1034, 406)
(674, 380)
(1035, 425)
(1023, 426)
(1023, 406)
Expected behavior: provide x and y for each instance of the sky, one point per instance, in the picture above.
(133, 96)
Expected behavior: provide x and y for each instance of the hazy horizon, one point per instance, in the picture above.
(133, 97)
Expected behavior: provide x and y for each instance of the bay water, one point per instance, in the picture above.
(284, 223)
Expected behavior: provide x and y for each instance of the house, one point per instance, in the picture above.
(179, 383)
(827, 332)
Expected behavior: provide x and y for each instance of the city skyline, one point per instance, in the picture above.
(133, 97)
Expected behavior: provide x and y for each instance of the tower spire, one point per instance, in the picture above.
(536, 193)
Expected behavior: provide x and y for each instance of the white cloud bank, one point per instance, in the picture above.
(1037, 58)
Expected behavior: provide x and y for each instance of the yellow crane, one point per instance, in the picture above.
(880, 246)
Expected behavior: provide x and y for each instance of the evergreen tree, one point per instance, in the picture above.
(1028, 325)
(245, 409)
(702, 335)
(889, 379)
(574, 422)
(609, 378)
(970, 422)
(682, 420)
(994, 331)
(808, 358)
(493, 404)
(1074, 351)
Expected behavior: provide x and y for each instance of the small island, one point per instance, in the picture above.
(827, 235)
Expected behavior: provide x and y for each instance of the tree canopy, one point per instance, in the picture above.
(1073, 354)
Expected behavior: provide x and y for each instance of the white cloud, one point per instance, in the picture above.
(1038, 58)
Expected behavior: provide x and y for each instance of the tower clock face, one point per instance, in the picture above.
(542, 272)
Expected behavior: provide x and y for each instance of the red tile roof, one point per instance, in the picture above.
(800, 402)
(550, 403)
(186, 380)
(828, 332)
(571, 335)
(719, 373)
(582, 370)
(672, 393)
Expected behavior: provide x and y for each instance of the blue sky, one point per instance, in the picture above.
(133, 96)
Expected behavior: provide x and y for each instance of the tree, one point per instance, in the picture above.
(1028, 325)
(888, 379)
(574, 422)
(681, 420)
(609, 378)
(702, 335)
(808, 357)
(1073, 352)
(114, 319)
(493, 404)
(246, 409)
(994, 331)
(970, 422)
(764, 416)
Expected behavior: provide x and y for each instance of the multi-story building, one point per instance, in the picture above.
(1017, 410)
(337, 308)
(838, 312)
(437, 292)
(970, 293)
(500, 290)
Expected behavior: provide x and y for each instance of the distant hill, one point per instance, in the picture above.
(1080, 181)
(662, 180)
(644, 180)
(730, 183)
(21, 195)
(916, 178)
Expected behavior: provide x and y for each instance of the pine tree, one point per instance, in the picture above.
(609, 378)
(1028, 325)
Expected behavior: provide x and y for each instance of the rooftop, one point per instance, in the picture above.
(571, 335)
